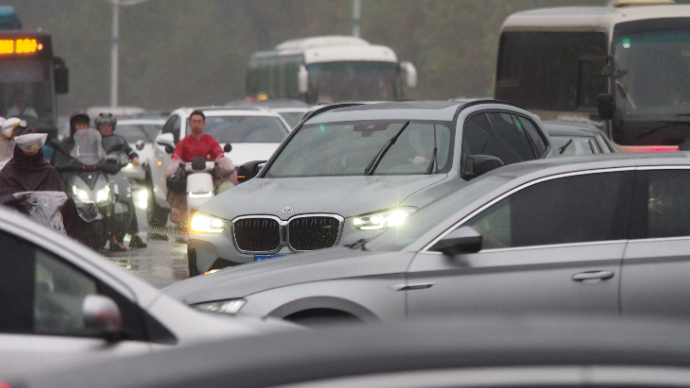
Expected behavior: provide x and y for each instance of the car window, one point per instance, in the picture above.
(173, 126)
(348, 148)
(477, 136)
(511, 137)
(534, 134)
(559, 211)
(668, 203)
(575, 145)
(132, 133)
(245, 129)
(40, 293)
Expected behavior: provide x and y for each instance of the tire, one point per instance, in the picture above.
(156, 216)
(98, 234)
(191, 263)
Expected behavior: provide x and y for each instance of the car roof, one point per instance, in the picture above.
(422, 110)
(140, 121)
(229, 111)
(491, 342)
(567, 128)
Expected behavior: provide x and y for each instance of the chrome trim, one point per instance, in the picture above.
(519, 188)
(563, 245)
(284, 230)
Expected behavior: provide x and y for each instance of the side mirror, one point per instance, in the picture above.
(102, 316)
(410, 74)
(477, 165)
(606, 106)
(249, 170)
(167, 141)
(140, 145)
(462, 240)
(61, 76)
(303, 79)
(227, 147)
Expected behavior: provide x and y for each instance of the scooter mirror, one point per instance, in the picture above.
(227, 147)
(169, 149)
(140, 145)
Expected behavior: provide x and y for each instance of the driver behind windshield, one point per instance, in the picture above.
(20, 107)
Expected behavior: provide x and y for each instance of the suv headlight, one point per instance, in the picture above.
(103, 194)
(204, 223)
(382, 219)
(81, 194)
(229, 306)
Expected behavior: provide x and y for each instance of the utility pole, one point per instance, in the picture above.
(114, 56)
(356, 17)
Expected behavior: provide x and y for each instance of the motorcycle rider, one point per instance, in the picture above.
(193, 145)
(62, 159)
(106, 124)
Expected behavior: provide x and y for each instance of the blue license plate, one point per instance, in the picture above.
(266, 257)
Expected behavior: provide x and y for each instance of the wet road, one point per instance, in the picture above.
(163, 262)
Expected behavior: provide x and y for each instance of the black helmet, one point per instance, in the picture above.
(77, 116)
(106, 118)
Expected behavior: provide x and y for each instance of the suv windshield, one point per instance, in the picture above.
(245, 129)
(350, 148)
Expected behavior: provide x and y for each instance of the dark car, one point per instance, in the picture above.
(577, 138)
(606, 234)
(481, 352)
(351, 170)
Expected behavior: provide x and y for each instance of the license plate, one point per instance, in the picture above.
(266, 257)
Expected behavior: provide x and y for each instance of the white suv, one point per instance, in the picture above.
(254, 133)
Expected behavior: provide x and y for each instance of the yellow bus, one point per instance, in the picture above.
(624, 67)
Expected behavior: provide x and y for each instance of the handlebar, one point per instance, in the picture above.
(210, 166)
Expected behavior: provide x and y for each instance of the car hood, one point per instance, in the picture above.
(346, 195)
(246, 152)
(325, 264)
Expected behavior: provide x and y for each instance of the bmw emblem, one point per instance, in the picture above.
(287, 209)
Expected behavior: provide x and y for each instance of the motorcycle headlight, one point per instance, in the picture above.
(204, 223)
(81, 194)
(382, 219)
(229, 306)
(103, 194)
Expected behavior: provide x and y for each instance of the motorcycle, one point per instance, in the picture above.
(199, 183)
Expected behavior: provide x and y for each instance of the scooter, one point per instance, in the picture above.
(199, 183)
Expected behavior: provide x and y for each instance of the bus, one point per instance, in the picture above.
(624, 67)
(328, 69)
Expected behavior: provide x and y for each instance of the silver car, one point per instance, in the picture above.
(352, 170)
(63, 304)
(603, 234)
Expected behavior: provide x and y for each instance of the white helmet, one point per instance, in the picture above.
(10, 125)
(31, 142)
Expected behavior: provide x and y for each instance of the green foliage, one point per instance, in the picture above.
(195, 52)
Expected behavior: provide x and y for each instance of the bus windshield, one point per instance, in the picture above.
(354, 81)
(655, 74)
(26, 91)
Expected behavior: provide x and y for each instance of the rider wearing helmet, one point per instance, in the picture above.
(62, 160)
(106, 124)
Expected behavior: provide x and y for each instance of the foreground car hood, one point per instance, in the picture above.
(325, 264)
(346, 195)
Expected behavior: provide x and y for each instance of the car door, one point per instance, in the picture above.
(162, 158)
(548, 246)
(656, 266)
(41, 321)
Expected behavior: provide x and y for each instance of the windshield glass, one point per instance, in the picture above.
(292, 118)
(655, 74)
(575, 145)
(88, 146)
(135, 132)
(26, 92)
(349, 148)
(427, 218)
(245, 129)
(353, 81)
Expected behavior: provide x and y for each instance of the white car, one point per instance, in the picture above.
(254, 134)
(139, 134)
(63, 304)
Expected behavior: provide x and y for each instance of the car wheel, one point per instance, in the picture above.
(156, 216)
(191, 262)
(320, 318)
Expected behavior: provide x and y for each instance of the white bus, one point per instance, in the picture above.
(328, 69)
(625, 66)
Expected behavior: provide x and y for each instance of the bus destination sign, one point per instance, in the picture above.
(20, 46)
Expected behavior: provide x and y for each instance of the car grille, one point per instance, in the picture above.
(307, 233)
(257, 234)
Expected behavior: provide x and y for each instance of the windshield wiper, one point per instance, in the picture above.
(371, 167)
(562, 149)
(665, 124)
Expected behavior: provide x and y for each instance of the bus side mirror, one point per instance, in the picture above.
(410, 74)
(61, 76)
(606, 106)
(303, 79)
(249, 170)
